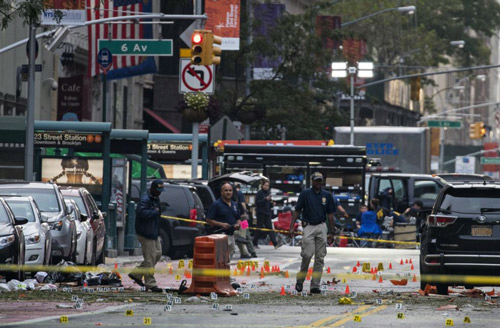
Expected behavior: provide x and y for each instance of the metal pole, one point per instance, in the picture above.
(441, 150)
(104, 96)
(194, 153)
(248, 69)
(352, 110)
(30, 115)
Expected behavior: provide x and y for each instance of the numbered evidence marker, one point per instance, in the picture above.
(228, 307)
(213, 296)
(177, 300)
(147, 321)
(378, 301)
(129, 313)
(178, 277)
(357, 318)
(246, 296)
(215, 306)
(467, 320)
(64, 319)
(449, 322)
(399, 306)
(401, 315)
(167, 308)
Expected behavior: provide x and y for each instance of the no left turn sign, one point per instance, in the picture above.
(194, 78)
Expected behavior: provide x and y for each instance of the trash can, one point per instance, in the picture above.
(405, 232)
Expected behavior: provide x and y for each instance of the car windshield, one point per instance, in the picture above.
(46, 199)
(3, 215)
(471, 201)
(79, 201)
(22, 209)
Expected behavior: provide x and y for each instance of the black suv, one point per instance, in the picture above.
(12, 243)
(181, 201)
(462, 234)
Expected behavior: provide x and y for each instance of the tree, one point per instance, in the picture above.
(28, 11)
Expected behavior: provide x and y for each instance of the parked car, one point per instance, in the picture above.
(50, 201)
(88, 206)
(462, 234)
(12, 243)
(202, 189)
(181, 201)
(37, 232)
(85, 251)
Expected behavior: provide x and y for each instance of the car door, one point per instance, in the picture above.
(426, 191)
(399, 198)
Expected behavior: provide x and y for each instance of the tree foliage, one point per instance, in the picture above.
(28, 11)
(301, 95)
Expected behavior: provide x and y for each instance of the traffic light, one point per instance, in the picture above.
(483, 129)
(415, 88)
(198, 48)
(477, 130)
(203, 51)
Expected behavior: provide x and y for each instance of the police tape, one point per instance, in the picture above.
(300, 233)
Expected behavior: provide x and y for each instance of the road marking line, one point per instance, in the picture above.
(320, 322)
(375, 310)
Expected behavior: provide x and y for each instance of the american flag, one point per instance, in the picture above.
(98, 9)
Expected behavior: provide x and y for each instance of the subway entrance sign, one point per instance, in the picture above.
(444, 124)
(127, 47)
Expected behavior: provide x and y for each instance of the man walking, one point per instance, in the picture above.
(147, 228)
(224, 215)
(263, 205)
(316, 206)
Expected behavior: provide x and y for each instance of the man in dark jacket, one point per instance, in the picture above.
(147, 227)
(263, 206)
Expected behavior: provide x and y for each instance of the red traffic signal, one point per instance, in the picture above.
(196, 38)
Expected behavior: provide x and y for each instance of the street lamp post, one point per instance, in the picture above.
(363, 70)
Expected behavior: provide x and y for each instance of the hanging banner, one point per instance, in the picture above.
(224, 21)
(72, 11)
(70, 98)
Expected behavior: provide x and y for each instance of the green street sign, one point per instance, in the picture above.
(138, 47)
(444, 124)
(490, 160)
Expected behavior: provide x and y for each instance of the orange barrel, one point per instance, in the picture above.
(211, 253)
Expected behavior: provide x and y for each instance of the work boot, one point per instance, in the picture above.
(299, 286)
(156, 289)
(136, 280)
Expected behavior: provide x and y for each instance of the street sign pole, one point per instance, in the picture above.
(195, 132)
(29, 142)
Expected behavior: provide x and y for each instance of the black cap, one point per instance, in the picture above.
(317, 176)
(157, 185)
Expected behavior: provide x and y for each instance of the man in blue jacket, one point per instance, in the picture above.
(147, 227)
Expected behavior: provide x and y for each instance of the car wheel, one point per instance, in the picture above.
(19, 274)
(48, 251)
(442, 289)
(166, 244)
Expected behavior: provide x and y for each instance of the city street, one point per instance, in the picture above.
(374, 303)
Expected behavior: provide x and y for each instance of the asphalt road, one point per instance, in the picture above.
(375, 303)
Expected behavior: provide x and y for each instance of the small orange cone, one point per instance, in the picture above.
(347, 291)
(401, 262)
(354, 269)
(308, 277)
(253, 267)
(374, 277)
(235, 272)
(375, 270)
(282, 293)
(170, 271)
(279, 269)
(286, 274)
(411, 261)
(358, 264)
(414, 278)
(380, 279)
(390, 266)
(188, 275)
(261, 273)
(372, 271)
(85, 284)
(248, 271)
(116, 266)
(412, 268)
(406, 261)
(328, 270)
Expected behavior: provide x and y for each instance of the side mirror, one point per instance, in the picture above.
(69, 209)
(43, 218)
(20, 220)
(95, 216)
(83, 217)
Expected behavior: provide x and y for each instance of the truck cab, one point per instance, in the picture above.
(406, 188)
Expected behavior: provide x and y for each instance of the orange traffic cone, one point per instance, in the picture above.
(375, 270)
(412, 268)
(308, 277)
(347, 291)
(406, 261)
(328, 270)
(282, 293)
(390, 266)
(253, 267)
(414, 278)
(401, 262)
(235, 272)
(411, 261)
(279, 269)
(116, 266)
(188, 275)
(358, 264)
(170, 270)
(380, 279)
(374, 277)
(286, 274)
(261, 273)
(354, 269)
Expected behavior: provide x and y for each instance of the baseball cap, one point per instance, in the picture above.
(317, 176)
(158, 185)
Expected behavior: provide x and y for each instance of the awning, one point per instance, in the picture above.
(161, 121)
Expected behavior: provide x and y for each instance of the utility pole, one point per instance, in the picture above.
(196, 125)
(30, 114)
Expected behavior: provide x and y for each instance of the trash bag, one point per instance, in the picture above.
(110, 278)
